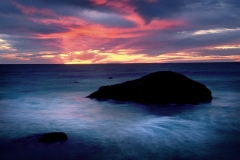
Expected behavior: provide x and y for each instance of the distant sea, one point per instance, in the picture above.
(36, 99)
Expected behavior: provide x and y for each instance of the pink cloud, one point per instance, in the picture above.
(82, 35)
(98, 2)
(33, 10)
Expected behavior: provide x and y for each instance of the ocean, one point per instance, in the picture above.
(36, 99)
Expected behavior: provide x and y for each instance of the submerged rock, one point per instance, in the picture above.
(52, 137)
(158, 88)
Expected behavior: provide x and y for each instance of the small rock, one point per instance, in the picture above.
(52, 137)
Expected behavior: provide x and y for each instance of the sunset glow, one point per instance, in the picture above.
(124, 31)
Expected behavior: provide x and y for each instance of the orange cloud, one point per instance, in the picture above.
(84, 41)
(123, 56)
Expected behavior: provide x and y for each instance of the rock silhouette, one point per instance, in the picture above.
(52, 137)
(158, 88)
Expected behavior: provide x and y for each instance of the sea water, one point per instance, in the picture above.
(36, 99)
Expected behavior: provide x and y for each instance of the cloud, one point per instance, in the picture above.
(102, 31)
(215, 31)
(108, 20)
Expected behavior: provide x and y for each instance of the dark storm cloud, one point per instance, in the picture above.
(21, 25)
(158, 9)
(35, 45)
(167, 42)
(171, 8)
(198, 12)
(219, 14)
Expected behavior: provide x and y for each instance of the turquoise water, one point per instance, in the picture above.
(35, 99)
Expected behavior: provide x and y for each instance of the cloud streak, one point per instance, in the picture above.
(119, 31)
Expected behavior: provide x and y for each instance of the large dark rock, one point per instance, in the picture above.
(158, 88)
(52, 137)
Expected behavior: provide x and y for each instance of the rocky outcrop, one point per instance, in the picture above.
(158, 88)
(52, 137)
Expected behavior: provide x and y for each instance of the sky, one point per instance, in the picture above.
(119, 31)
